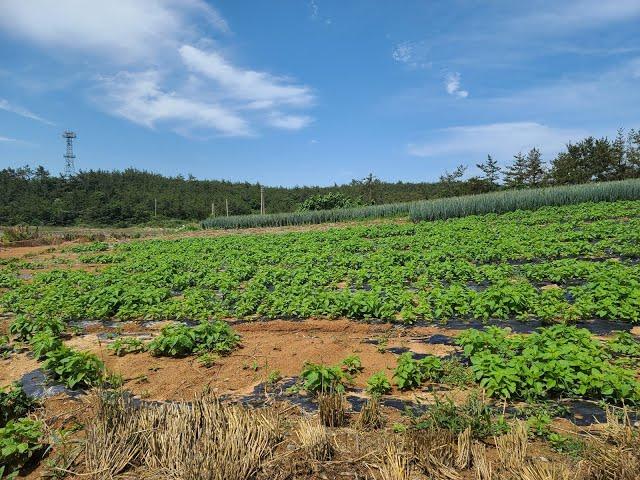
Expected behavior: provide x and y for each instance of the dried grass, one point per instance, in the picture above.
(463, 459)
(615, 456)
(203, 439)
(396, 463)
(370, 417)
(546, 471)
(482, 465)
(512, 447)
(435, 452)
(314, 440)
(113, 438)
(331, 409)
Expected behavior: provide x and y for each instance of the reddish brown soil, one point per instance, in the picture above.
(266, 347)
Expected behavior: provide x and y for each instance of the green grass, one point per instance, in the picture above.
(443, 208)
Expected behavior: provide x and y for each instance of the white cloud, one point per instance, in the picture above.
(452, 85)
(23, 112)
(123, 30)
(261, 88)
(289, 122)
(173, 83)
(412, 54)
(563, 17)
(501, 140)
(315, 13)
(7, 139)
(139, 97)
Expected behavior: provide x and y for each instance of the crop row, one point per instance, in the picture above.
(494, 202)
(559, 263)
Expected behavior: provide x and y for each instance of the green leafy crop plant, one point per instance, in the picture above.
(411, 373)
(74, 368)
(558, 361)
(318, 378)
(558, 264)
(178, 340)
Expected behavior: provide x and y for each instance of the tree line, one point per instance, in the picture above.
(134, 197)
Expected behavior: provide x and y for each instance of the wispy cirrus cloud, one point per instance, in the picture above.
(7, 139)
(262, 89)
(315, 14)
(453, 86)
(174, 83)
(568, 16)
(123, 30)
(23, 112)
(411, 54)
(141, 98)
(501, 140)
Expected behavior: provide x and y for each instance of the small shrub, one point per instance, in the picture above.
(318, 378)
(274, 377)
(483, 420)
(179, 340)
(208, 359)
(14, 403)
(175, 340)
(215, 336)
(558, 360)
(43, 342)
(455, 373)
(352, 364)
(623, 343)
(19, 444)
(24, 327)
(572, 446)
(123, 346)
(411, 373)
(74, 368)
(378, 384)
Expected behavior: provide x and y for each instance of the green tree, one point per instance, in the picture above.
(515, 176)
(535, 171)
(490, 169)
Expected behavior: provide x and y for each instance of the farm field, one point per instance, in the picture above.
(490, 347)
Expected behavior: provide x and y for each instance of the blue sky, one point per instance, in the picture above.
(294, 92)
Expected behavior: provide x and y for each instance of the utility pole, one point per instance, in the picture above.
(213, 209)
(226, 202)
(155, 207)
(261, 200)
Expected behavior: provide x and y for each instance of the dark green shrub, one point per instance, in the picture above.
(378, 384)
(215, 336)
(19, 444)
(411, 373)
(559, 360)
(123, 346)
(14, 403)
(74, 368)
(318, 378)
(24, 327)
(179, 340)
(43, 342)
